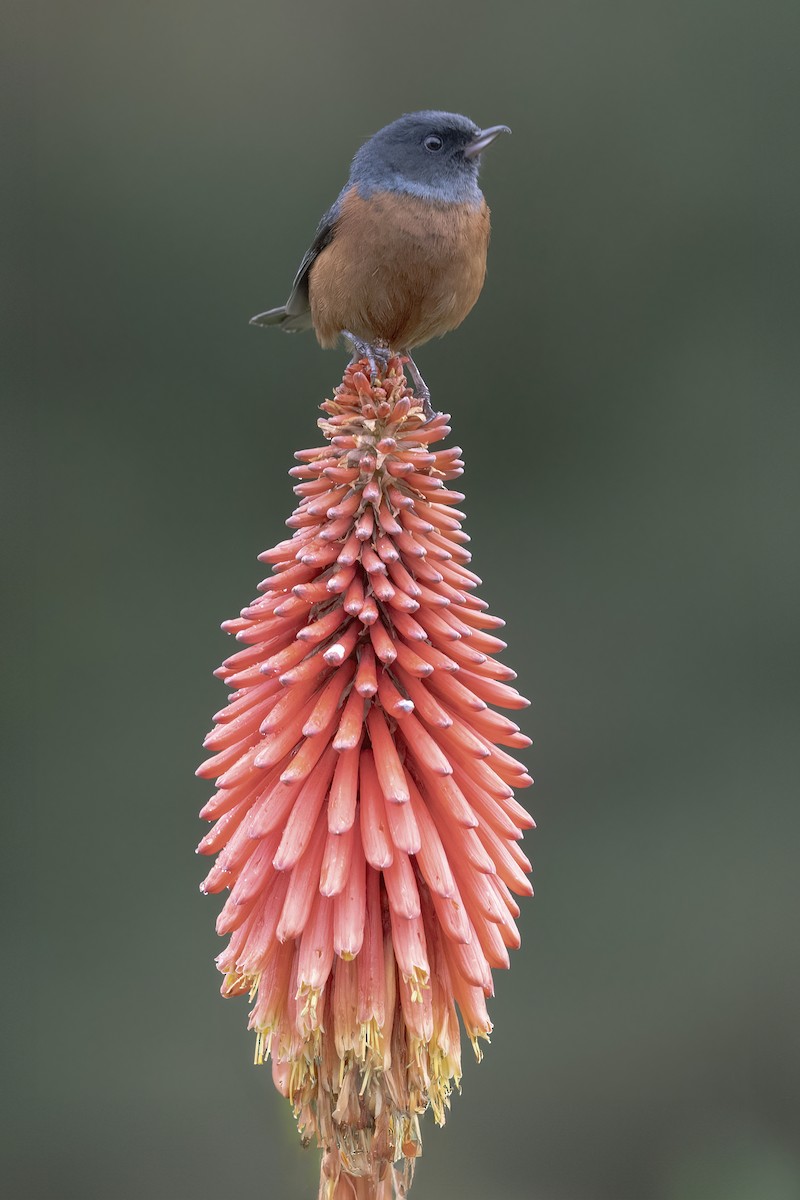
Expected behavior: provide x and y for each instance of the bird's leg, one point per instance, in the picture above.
(377, 356)
(420, 386)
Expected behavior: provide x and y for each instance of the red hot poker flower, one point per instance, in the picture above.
(365, 820)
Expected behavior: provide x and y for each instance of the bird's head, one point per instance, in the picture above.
(435, 155)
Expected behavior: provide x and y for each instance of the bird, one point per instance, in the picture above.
(400, 256)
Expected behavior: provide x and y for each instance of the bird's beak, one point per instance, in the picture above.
(484, 139)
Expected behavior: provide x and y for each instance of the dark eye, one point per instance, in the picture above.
(433, 143)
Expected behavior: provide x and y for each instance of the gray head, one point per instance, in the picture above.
(431, 154)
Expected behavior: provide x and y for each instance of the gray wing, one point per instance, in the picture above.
(295, 314)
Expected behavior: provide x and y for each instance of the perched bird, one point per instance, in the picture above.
(400, 257)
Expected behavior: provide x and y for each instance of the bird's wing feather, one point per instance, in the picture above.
(298, 304)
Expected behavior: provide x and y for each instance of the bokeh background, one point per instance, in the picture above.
(626, 397)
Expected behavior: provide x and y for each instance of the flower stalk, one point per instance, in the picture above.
(365, 822)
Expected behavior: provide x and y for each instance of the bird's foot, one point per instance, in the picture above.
(376, 355)
(420, 386)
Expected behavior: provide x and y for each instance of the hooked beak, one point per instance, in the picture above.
(484, 139)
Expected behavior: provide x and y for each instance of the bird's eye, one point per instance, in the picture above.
(433, 143)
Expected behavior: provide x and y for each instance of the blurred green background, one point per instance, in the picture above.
(626, 397)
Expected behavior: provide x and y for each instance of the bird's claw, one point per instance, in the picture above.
(377, 356)
(420, 387)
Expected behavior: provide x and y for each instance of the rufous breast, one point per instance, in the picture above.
(399, 269)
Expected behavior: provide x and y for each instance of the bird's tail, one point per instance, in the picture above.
(288, 322)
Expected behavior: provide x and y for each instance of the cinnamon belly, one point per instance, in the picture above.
(399, 270)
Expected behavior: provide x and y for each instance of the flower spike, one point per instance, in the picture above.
(365, 820)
